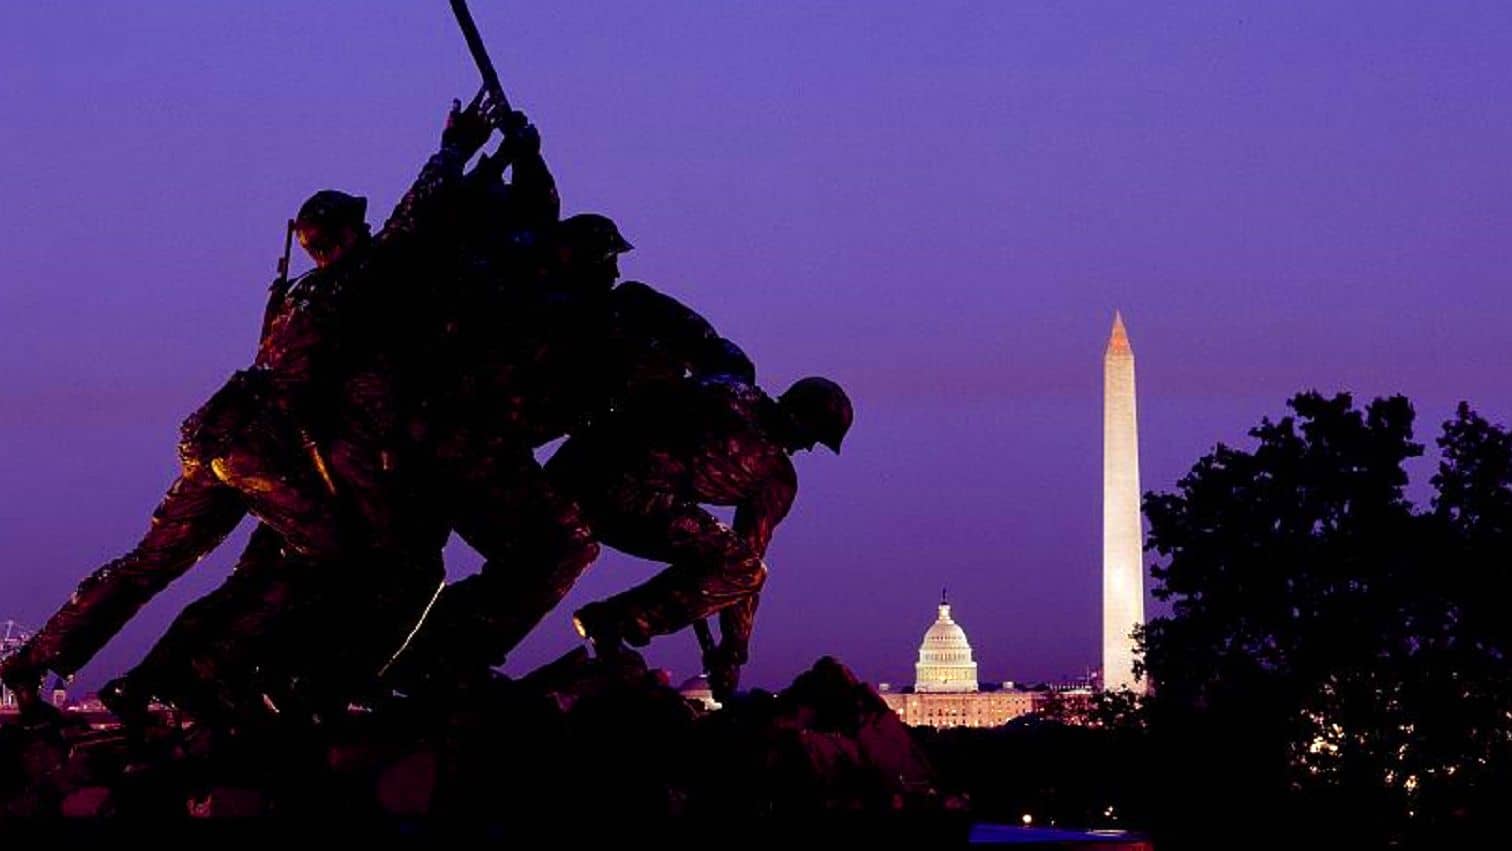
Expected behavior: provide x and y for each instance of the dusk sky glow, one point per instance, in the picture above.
(939, 205)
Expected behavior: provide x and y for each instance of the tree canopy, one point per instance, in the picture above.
(1333, 648)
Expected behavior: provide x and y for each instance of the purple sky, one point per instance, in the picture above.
(938, 204)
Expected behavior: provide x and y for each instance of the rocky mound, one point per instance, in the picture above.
(580, 739)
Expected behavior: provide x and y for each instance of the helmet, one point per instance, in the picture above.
(330, 208)
(820, 409)
(592, 234)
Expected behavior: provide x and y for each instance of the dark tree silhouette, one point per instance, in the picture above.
(1333, 654)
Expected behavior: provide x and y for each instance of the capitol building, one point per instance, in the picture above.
(946, 692)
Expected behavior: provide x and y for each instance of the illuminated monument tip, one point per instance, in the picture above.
(1118, 341)
(1123, 534)
(945, 663)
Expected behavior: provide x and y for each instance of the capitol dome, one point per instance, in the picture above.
(945, 663)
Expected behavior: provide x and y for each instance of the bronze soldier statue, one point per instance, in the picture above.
(229, 636)
(399, 391)
(576, 346)
(491, 498)
(641, 475)
(301, 440)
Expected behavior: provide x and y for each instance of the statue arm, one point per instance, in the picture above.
(464, 135)
(534, 192)
(440, 174)
(757, 517)
(533, 200)
(755, 521)
(298, 349)
(690, 336)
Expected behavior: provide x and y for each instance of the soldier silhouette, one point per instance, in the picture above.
(642, 475)
(267, 443)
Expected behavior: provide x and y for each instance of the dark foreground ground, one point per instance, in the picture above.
(583, 750)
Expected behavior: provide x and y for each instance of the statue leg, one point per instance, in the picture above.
(224, 649)
(360, 560)
(535, 543)
(344, 624)
(194, 516)
(711, 569)
(201, 662)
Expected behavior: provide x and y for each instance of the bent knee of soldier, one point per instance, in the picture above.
(749, 575)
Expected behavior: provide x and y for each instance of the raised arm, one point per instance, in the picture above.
(308, 324)
(757, 517)
(465, 133)
(532, 189)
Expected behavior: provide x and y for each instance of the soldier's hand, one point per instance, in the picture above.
(523, 141)
(510, 121)
(495, 113)
(467, 129)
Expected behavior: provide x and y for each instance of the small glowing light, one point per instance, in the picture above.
(582, 631)
(1028, 819)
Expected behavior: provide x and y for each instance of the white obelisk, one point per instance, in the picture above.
(1123, 534)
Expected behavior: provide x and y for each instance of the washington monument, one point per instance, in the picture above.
(1123, 538)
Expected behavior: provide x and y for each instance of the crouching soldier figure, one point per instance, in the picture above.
(558, 353)
(641, 475)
